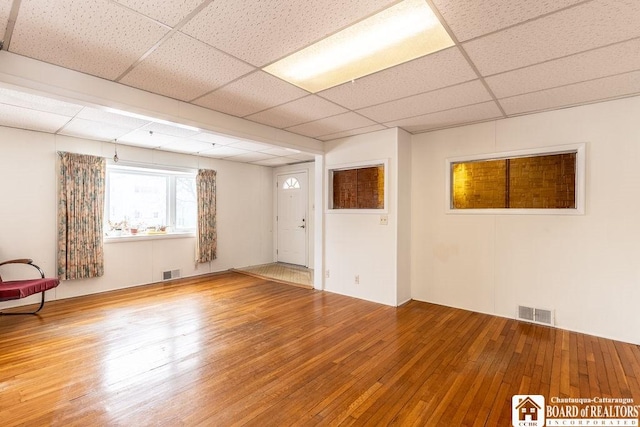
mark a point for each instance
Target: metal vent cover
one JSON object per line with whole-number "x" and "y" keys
{"x": 170, "y": 274}
{"x": 536, "y": 315}
{"x": 543, "y": 316}
{"x": 525, "y": 313}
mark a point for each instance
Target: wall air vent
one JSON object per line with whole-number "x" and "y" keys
{"x": 543, "y": 316}
{"x": 536, "y": 315}
{"x": 170, "y": 274}
{"x": 525, "y": 313}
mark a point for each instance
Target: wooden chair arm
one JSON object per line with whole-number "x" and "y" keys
{"x": 18, "y": 261}
{"x": 27, "y": 261}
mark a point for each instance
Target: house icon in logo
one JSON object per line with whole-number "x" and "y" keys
{"x": 528, "y": 410}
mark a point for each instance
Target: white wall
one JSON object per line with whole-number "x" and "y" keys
{"x": 319, "y": 224}
{"x": 403, "y": 209}
{"x": 584, "y": 267}
{"x": 28, "y": 201}
{"x": 309, "y": 168}
{"x": 356, "y": 243}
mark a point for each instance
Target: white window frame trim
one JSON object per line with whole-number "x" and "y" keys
{"x": 578, "y": 148}
{"x": 147, "y": 169}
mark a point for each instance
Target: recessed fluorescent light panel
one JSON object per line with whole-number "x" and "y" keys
{"x": 403, "y": 32}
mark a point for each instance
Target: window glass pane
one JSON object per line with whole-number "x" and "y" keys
{"x": 479, "y": 184}
{"x": 545, "y": 181}
{"x": 345, "y": 189}
{"x": 138, "y": 199}
{"x": 186, "y": 203}
{"x": 360, "y": 188}
{"x": 290, "y": 184}
{"x": 145, "y": 201}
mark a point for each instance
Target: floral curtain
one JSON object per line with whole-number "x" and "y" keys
{"x": 207, "y": 242}
{"x": 81, "y": 190}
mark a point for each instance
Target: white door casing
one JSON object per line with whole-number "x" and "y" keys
{"x": 292, "y": 218}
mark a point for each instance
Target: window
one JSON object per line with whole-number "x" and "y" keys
{"x": 144, "y": 201}
{"x": 358, "y": 188}
{"x": 543, "y": 181}
{"x": 290, "y": 184}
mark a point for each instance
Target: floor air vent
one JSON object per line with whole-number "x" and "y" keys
{"x": 536, "y": 315}
{"x": 170, "y": 274}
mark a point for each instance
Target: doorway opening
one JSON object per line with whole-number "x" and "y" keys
{"x": 292, "y": 234}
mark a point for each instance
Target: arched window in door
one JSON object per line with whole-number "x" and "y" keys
{"x": 290, "y": 184}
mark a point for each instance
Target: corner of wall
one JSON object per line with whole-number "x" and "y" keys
{"x": 403, "y": 200}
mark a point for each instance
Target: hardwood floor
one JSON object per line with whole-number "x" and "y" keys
{"x": 236, "y": 350}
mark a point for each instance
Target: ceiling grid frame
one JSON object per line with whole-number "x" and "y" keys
{"x": 166, "y": 37}
{"x": 465, "y": 54}
{"x": 582, "y": 67}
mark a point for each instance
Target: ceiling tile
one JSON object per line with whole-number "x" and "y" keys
{"x": 302, "y": 110}
{"x": 442, "y": 99}
{"x": 593, "y": 90}
{"x": 334, "y": 124}
{"x": 223, "y": 151}
{"x": 102, "y": 116}
{"x": 186, "y": 146}
{"x": 39, "y": 103}
{"x": 99, "y": 38}
{"x": 184, "y": 68}
{"x": 167, "y": 12}
{"x": 441, "y": 69}
{"x": 89, "y": 129}
{"x": 456, "y": 116}
{"x": 302, "y": 157}
{"x": 251, "y": 146}
{"x": 352, "y": 132}
{"x": 250, "y": 94}
{"x": 5, "y": 10}
{"x": 25, "y": 118}
{"x": 276, "y": 161}
{"x": 277, "y": 151}
{"x": 172, "y": 130}
{"x": 577, "y": 29}
{"x": 143, "y": 138}
{"x": 606, "y": 61}
{"x": 213, "y": 138}
{"x": 250, "y": 157}
{"x": 469, "y": 19}
{"x": 261, "y": 32}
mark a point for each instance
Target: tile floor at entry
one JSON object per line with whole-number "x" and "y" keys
{"x": 280, "y": 271}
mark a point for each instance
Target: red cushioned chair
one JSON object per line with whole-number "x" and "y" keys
{"x": 17, "y": 289}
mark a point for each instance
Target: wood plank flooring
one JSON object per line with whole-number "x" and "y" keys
{"x": 232, "y": 349}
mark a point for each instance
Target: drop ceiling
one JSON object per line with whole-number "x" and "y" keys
{"x": 511, "y": 57}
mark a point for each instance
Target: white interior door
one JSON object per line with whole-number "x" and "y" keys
{"x": 292, "y": 218}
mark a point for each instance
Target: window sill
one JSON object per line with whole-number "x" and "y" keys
{"x": 357, "y": 211}
{"x": 515, "y": 211}
{"x": 143, "y": 237}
